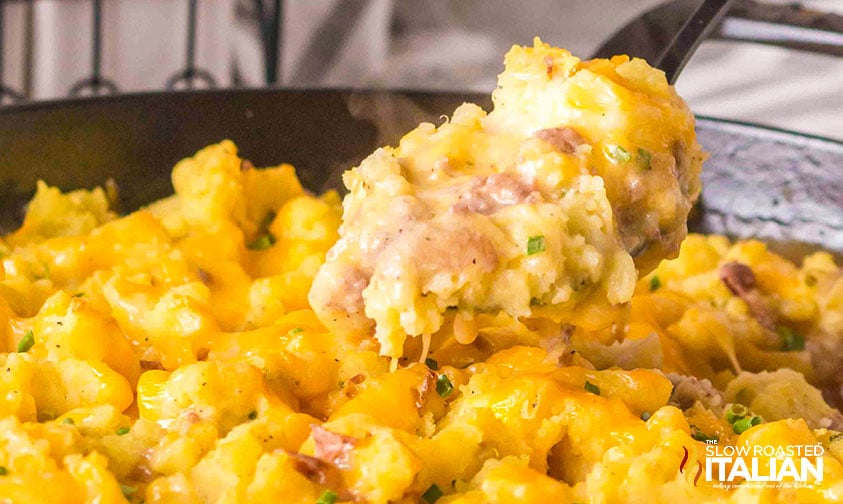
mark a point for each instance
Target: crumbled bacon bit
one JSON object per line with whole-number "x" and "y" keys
{"x": 558, "y": 347}
{"x": 351, "y": 385}
{"x": 146, "y": 365}
{"x": 738, "y": 277}
{"x": 548, "y": 62}
{"x": 322, "y": 473}
{"x": 332, "y": 447}
{"x": 142, "y": 471}
{"x": 740, "y": 280}
{"x": 564, "y": 139}
{"x": 428, "y": 384}
{"x": 316, "y": 470}
{"x": 204, "y": 276}
{"x": 246, "y": 165}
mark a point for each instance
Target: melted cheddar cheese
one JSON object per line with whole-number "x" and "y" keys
{"x": 171, "y": 356}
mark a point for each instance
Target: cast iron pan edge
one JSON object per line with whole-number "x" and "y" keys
{"x": 760, "y": 182}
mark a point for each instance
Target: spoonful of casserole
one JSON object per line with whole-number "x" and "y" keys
{"x": 578, "y": 181}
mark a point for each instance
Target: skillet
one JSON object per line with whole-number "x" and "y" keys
{"x": 782, "y": 187}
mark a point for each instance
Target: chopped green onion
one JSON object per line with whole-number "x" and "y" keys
{"x": 432, "y": 494}
{"x": 743, "y": 424}
{"x": 645, "y": 157}
{"x": 3, "y": 471}
{"x": 327, "y": 497}
{"x": 79, "y": 294}
{"x": 68, "y": 421}
{"x": 736, "y": 412}
{"x": 431, "y": 363}
{"x": 791, "y": 342}
{"x": 618, "y": 153}
{"x": 262, "y": 242}
{"x": 295, "y": 331}
{"x": 444, "y": 387}
{"x": 834, "y": 437}
{"x": 699, "y": 435}
{"x": 253, "y": 414}
{"x": 122, "y": 431}
{"x": 590, "y": 387}
{"x": 645, "y": 416}
{"x": 265, "y": 240}
{"x": 26, "y": 342}
{"x": 655, "y": 283}
{"x": 810, "y": 280}
{"x": 128, "y": 491}
{"x": 535, "y": 244}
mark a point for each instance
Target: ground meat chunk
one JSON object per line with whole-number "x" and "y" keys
{"x": 486, "y": 195}
{"x": 687, "y": 390}
{"x": 565, "y": 140}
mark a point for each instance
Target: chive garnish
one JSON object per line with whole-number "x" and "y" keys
{"x": 26, "y": 342}
{"x": 655, "y": 283}
{"x": 262, "y": 242}
{"x": 791, "y": 342}
{"x": 327, "y": 497}
{"x": 444, "y": 387}
{"x": 645, "y": 157}
{"x": 618, "y": 153}
{"x": 535, "y": 244}
{"x": 736, "y": 412}
{"x": 127, "y": 491}
{"x": 432, "y": 494}
{"x": 699, "y": 435}
{"x": 743, "y": 424}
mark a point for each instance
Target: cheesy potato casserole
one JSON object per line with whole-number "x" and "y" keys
{"x": 486, "y": 318}
{"x": 583, "y": 171}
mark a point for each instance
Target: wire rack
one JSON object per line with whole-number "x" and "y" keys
{"x": 266, "y": 13}
{"x": 788, "y": 25}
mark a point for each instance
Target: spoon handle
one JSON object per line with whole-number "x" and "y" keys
{"x": 677, "y": 53}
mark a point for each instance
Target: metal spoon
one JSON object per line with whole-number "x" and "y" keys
{"x": 646, "y": 38}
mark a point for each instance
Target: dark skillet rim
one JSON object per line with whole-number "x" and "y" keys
{"x": 47, "y": 105}
{"x": 142, "y": 95}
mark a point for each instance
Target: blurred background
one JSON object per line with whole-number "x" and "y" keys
{"x": 53, "y": 49}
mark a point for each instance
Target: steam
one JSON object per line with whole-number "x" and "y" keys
{"x": 392, "y": 114}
